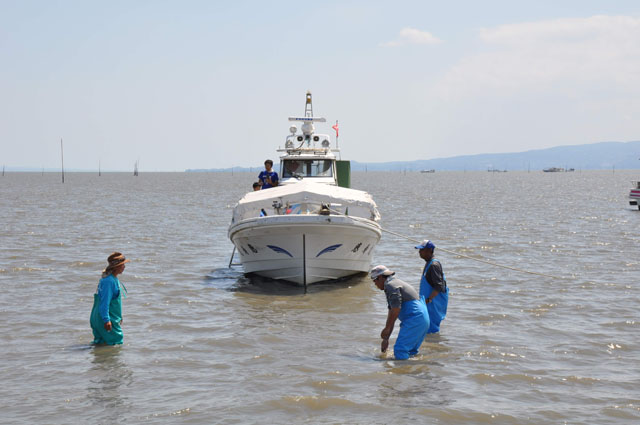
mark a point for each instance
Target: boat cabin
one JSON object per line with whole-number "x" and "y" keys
{"x": 308, "y": 156}
{"x": 307, "y": 167}
{"x": 296, "y": 166}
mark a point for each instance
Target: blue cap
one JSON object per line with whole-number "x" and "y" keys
{"x": 426, "y": 244}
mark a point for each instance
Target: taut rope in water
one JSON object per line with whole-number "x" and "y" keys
{"x": 457, "y": 253}
{"x": 475, "y": 259}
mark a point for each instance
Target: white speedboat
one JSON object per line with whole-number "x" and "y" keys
{"x": 312, "y": 227}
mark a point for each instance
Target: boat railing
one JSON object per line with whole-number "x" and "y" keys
{"x": 308, "y": 151}
{"x": 307, "y": 208}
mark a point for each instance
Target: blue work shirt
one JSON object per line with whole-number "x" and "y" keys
{"x": 263, "y": 178}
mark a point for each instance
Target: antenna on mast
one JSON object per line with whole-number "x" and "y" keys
{"x": 308, "y": 106}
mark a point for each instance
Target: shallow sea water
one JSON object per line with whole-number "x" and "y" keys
{"x": 205, "y": 344}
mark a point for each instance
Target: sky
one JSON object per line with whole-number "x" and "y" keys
{"x": 210, "y": 84}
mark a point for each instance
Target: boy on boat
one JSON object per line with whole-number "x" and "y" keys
{"x": 268, "y": 177}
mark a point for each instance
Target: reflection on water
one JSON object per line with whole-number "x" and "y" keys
{"x": 264, "y": 285}
{"x": 412, "y": 383}
{"x": 233, "y": 279}
{"x": 108, "y": 378}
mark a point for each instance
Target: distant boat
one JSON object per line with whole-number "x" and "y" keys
{"x": 428, "y": 171}
{"x": 135, "y": 168}
{"x": 634, "y": 194}
{"x": 495, "y": 170}
{"x": 553, "y": 170}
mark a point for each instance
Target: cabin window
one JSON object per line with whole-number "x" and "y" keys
{"x": 307, "y": 168}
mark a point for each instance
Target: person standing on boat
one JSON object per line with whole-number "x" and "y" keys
{"x": 268, "y": 177}
{"x": 405, "y": 304}
{"x": 106, "y": 314}
{"x": 433, "y": 286}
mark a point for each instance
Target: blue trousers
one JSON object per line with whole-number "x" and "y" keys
{"x": 414, "y": 323}
{"x": 437, "y": 308}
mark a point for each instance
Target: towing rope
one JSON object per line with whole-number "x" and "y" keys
{"x": 455, "y": 253}
{"x": 475, "y": 259}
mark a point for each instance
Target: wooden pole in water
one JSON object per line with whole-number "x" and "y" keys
{"x": 62, "y": 157}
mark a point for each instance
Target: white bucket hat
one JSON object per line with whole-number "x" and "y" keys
{"x": 380, "y": 270}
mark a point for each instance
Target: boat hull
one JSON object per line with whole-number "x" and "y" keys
{"x": 305, "y": 249}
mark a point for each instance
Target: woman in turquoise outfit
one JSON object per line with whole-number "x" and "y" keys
{"x": 106, "y": 314}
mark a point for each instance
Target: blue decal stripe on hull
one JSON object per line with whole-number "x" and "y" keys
{"x": 279, "y": 250}
{"x": 329, "y": 249}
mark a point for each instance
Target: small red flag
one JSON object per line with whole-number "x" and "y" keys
{"x": 335, "y": 127}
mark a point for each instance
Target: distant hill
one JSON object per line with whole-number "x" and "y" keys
{"x": 596, "y": 156}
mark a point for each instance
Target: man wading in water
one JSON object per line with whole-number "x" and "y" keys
{"x": 405, "y": 304}
{"x": 433, "y": 286}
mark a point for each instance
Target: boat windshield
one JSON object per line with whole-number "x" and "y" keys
{"x": 307, "y": 168}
